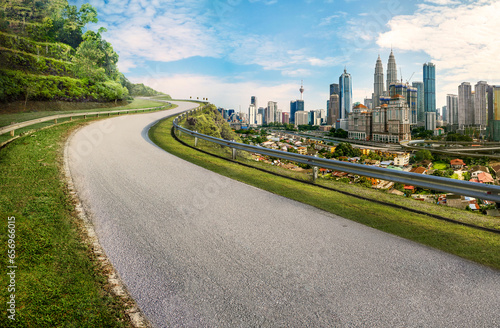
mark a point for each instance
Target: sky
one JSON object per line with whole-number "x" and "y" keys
{"x": 230, "y": 50}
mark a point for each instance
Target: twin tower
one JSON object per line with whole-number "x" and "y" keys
{"x": 379, "y": 89}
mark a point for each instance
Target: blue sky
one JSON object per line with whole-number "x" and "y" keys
{"x": 230, "y": 50}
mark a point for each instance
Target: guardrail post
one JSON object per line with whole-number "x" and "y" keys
{"x": 12, "y": 133}
{"x": 55, "y": 121}
{"x": 97, "y": 115}
{"x": 84, "y": 117}
{"x": 315, "y": 173}
{"x": 196, "y": 140}
{"x": 71, "y": 118}
{"x": 233, "y": 154}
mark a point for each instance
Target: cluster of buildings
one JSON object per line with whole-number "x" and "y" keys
{"x": 394, "y": 109}
{"x": 478, "y": 109}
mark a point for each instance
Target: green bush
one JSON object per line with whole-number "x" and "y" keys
{"x": 12, "y": 59}
{"x": 59, "y": 51}
{"x": 17, "y": 85}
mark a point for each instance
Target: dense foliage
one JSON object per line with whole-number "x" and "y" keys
{"x": 211, "y": 122}
{"x": 46, "y": 54}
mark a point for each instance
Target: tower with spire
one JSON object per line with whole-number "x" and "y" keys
{"x": 378, "y": 85}
{"x": 392, "y": 71}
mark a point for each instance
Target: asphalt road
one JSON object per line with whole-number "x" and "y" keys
{"x": 196, "y": 249}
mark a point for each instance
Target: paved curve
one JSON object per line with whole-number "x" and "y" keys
{"x": 199, "y": 250}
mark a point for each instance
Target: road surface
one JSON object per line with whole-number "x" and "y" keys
{"x": 196, "y": 249}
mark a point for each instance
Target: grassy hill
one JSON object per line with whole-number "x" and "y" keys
{"x": 45, "y": 56}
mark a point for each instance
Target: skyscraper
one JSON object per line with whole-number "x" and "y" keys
{"x": 333, "y": 109}
{"x": 465, "y": 111}
{"x": 378, "y": 84}
{"x": 253, "y": 101}
{"x": 334, "y": 89}
{"x": 452, "y": 109}
{"x": 392, "y": 70}
{"x": 295, "y": 106}
{"x": 494, "y": 113}
{"x": 420, "y": 102}
{"x": 252, "y": 114}
{"x": 480, "y": 103}
{"x": 272, "y": 108}
{"x": 430, "y": 96}
{"x": 345, "y": 85}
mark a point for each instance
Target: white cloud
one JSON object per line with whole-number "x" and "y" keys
{"x": 461, "y": 40}
{"x": 156, "y": 30}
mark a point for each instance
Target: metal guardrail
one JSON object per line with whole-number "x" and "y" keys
{"x": 13, "y": 127}
{"x": 458, "y": 187}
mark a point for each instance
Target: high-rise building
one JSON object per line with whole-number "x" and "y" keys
{"x": 430, "y": 96}
{"x": 333, "y": 109}
{"x": 295, "y": 106}
{"x": 465, "y": 111}
{"x": 494, "y": 112}
{"x": 285, "y": 118}
{"x": 301, "y": 117}
{"x": 480, "y": 103}
{"x": 252, "y": 114}
{"x": 272, "y": 107}
{"x": 334, "y": 89}
{"x": 420, "y": 102}
{"x": 392, "y": 70}
{"x": 378, "y": 84}
{"x": 345, "y": 84}
{"x": 253, "y": 101}
{"x": 278, "y": 117}
{"x": 444, "y": 113}
{"x": 452, "y": 111}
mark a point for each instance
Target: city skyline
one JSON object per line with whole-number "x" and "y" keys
{"x": 230, "y": 50}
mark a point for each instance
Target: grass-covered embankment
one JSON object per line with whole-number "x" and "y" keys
{"x": 59, "y": 282}
{"x": 476, "y": 245}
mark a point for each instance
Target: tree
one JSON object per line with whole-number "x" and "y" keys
{"x": 95, "y": 58}
{"x": 70, "y": 22}
{"x": 346, "y": 149}
{"x": 423, "y": 154}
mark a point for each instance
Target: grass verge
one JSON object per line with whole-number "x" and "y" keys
{"x": 476, "y": 245}
{"x": 59, "y": 281}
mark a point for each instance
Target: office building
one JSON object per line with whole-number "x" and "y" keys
{"x": 252, "y": 114}
{"x": 295, "y": 106}
{"x": 430, "y": 96}
{"x": 301, "y": 117}
{"x": 452, "y": 109}
{"x": 420, "y": 102}
{"x": 465, "y": 109}
{"x": 480, "y": 103}
{"x": 493, "y": 113}
{"x": 392, "y": 70}
{"x": 272, "y": 108}
{"x": 378, "y": 83}
{"x": 345, "y": 85}
{"x": 285, "y": 118}
{"x": 333, "y": 109}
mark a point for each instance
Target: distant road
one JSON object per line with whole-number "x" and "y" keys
{"x": 196, "y": 249}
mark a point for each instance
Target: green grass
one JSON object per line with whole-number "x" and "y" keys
{"x": 476, "y": 245}
{"x": 439, "y": 166}
{"x": 59, "y": 283}
{"x": 7, "y": 119}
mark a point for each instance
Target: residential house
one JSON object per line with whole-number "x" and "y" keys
{"x": 419, "y": 170}
{"x": 484, "y": 177}
{"x": 371, "y": 162}
{"x": 457, "y": 164}
{"x": 426, "y": 163}
{"x": 402, "y": 159}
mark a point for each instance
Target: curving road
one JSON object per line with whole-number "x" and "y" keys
{"x": 196, "y": 249}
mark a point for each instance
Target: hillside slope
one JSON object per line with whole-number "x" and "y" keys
{"x": 45, "y": 56}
